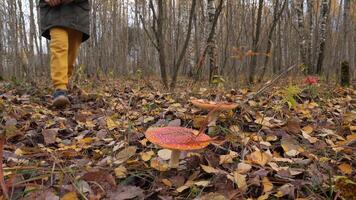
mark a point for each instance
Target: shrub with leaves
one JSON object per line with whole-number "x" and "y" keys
{"x": 290, "y": 94}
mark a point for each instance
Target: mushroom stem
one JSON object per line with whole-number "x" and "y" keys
{"x": 212, "y": 118}
{"x": 174, "y": 162}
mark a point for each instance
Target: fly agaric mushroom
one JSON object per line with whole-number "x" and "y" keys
{"x": 177, "y": 139}
{"x": 215, "y": 109}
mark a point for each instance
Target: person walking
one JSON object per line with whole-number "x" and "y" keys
{"x": 66, "y": 24}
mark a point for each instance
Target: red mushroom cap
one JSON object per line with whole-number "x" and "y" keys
{"x": 210, "y": 105}
{"x": 177, "y": 138}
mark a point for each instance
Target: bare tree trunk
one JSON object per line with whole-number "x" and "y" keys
{"x": 301, "y": 31}
{"x": 276, "y": 17}
{"x": 324, "y": 18}
{"x": 309, "y": 36}
{"x": 213, "y": 67}
{"x": 160, "y": 36}
{"x": 255, "y": 42}
{"x": 184, "y": 48}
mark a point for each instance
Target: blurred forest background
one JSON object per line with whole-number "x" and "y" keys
{"x": 240, "y": 40}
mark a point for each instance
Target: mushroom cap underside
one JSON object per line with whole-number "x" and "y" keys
{"x": 177, "y": 138}
{"x": 209, "y": 105}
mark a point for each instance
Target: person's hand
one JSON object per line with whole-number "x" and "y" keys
{"x": 53, "y": 2}
{"x": 67, "y": 1}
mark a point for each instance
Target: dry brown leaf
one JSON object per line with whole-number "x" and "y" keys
{"x": 209, "y": 170}
{"x": 120, "y": 172}
{"x": 267, "y": 185}
{"x": 70, "y": 196}
{"x": 240, "y": 181}
{"x": 345, "y": 168}
{"x": 226, "y": 159}
{"x": 159, "y": 165}
{"x": 125, "y": 154}
{"x": 146, "y": 156}
{"x": 260, "y": 158}
{"x": 243, "y": 168}
{"x": 50, "y": 136}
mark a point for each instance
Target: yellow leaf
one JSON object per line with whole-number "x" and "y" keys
{"x": 159, "y": 165}
{"x": 120, "y": 172}
{"x": 267, "y": 185}
{"x": 308, "y": 129}
{"x": 202, "y": 183}
{"x": 144, "y": 142}
{"x": 225, "y": 159}
{"x": 86, "y": 141}
{"x": 111, "y": 124}
{"x": 70, "y": 196}
{"x": 148, "y": 119}
{"x": 263, "y": 197}
{"x": 261, "y": 158}
{"x": 167, "y": 182}
{"x": 209, "y": 169}
{"x": 146, "y": 156}
{"x": 240, "y": 181}
{"x": 345, "y": 168}
{"x": 182, "y": 188}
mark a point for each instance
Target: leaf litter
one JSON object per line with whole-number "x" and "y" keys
{"x": 96, "y": 149}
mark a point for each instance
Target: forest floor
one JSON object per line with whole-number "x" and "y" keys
{"x": 296, "y": 141}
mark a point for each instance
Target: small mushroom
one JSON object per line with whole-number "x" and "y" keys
{"x": 177, "y": 139}
{"x": 215, "y": 109}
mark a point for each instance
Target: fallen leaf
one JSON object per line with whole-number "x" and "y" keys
{"x": 111, "y": 124}
{"x": 212, "y": 196}
{"x": 127, "y": 193}
{"x": 286, "y": 189}
{"x": 50, "y": 136}
{"x": 293, "y": 125}
{"x": 146, "y": 156}
{"x": 202, "y": 183}
{"x": 291, "y": 147}
{"x": 120, "y": 172}
{"x": 167, "y": 182}
{"x": 267, "y": 185}
{"x": 164, "y": 154}
{"x": 100, "y": 177}
{"x": 243, "y": 168}
{"x": 70, "y": 196}
{"x": 159, "y": 165}
{"x": 209, "y": 170}
{"x": 311, "y": 139}
{"x": 260, "y": 158}
{"x": 125, "y": 154}
{"x": 240, "y": 181}
{"x": 226, "y": 159}
{"x": 345, "y": 168}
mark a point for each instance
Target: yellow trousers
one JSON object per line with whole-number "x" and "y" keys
{"x": 64, "y": 48}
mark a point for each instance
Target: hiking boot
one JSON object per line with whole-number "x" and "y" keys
{"x": 60, "y": 99}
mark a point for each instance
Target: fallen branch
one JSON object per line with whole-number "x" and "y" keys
{"x": 269, "y": 84}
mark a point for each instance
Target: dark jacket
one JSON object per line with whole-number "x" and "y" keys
{"x": 74, "y": 15}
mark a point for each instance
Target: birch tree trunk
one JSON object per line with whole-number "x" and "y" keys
{"x": 324, "y": 11}
{"x": 299, "y": 8}
{"x": 213, "y": 67}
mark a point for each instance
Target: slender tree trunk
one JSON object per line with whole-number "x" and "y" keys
{"x": 255, "y": 41}
{"x": 185, "y": 46}
{"x": 276, "y": 17}
{"x": 299, "y": 7}
{"x": 322, "y": 32}
{"x": 213, "y": 67}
